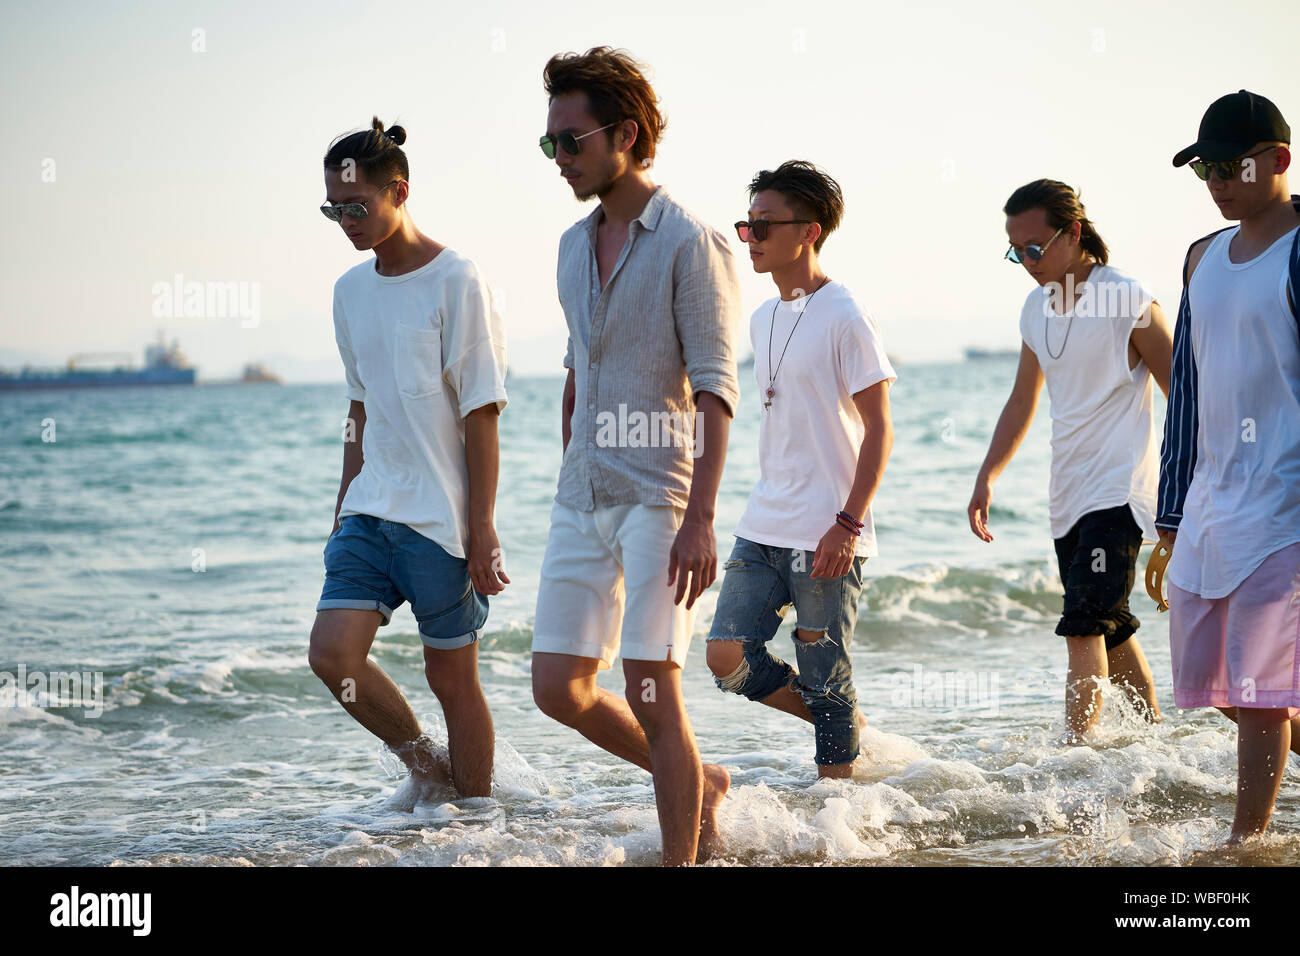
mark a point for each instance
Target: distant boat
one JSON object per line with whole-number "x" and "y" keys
{"x": 163, "y": 365}
{"x": 257, "y": 373}
{"x": 980, "y": 355}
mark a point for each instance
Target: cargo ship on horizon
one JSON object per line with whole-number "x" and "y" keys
{"x": 163, "y": 365}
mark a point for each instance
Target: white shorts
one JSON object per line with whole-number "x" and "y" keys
{"x": 603, "y": 578}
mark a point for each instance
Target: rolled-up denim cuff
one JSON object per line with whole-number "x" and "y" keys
{"x": 1116, "y": 627}
{"x": 758, "y": 675}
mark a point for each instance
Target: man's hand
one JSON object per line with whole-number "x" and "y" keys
{"x": 834, "y": 553}
{"x": 1156, "y": 565}
{"x": 694, "y": 555}
{"x": 486, "y": 562}
{"x": 978, "y": 509}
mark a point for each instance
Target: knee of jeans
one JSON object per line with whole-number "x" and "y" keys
{"x": 828, "y": 697}
{"x": 734, "y": 683}
{"x": 771, "y": 675}
{"x": 721, "y": 654}
{"x": 816, "y": 636}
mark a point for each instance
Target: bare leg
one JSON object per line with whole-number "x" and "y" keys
{"x": 1087, "y": 667}
{"x": 564, "y": 687}
{"x": 1231, "y": 714}
{"x": 1128, "y": 668}
{"x": 654, "y": 693}
{"x": 453, "y": 678}
{"x": 1263, "y": 738}
{"x": 339, "y": 656}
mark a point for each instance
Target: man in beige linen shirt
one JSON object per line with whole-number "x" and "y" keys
{"x": 651, "y": 297}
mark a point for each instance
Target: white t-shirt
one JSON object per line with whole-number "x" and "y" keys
{"x": 422, "y": 350}
{"x": 1243, "y": 502}
{"x": 1105, "y": 451}
{"x": 810, "y": 437}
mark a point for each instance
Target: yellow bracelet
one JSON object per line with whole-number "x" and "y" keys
{"x": 1155, "y": 576}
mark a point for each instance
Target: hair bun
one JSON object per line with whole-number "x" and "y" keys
{"x": 395, "y": 134}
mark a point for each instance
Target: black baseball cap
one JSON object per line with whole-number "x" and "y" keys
{"x": 1232, "y": 125}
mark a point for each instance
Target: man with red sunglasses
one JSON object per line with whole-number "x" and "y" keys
{"x": 825, "y": 434}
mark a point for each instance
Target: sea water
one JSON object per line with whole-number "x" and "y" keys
{"x": 170, "y": 541}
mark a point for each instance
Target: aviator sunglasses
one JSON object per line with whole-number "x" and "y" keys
{"x": 1034, "y": 252}
{"x": 1225, "y": 170}
{"x": 353, "y": 210}
{"x": 567, "y": 141}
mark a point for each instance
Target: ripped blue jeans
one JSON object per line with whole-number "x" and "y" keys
{"x": 761, "y": 584}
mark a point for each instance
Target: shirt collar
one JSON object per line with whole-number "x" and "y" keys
{"x": 649, "y": 218}
{"x": 654, "y": 208}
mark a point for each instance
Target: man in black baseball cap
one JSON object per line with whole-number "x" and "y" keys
{"x": 1232, "y": 125}
{"x": 1229, "y": 492}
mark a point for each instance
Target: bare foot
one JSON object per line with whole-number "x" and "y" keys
{"x": 425, "y": 759}
{"x": 716, "y": 783}
{"x": 1237, "y": 839}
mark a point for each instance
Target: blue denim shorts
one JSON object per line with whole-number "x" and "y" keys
{"x": 760, "y": 585}
{"x": 375, "y": 564}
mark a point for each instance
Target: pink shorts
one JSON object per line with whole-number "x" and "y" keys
{"x": 1240, "y": 650}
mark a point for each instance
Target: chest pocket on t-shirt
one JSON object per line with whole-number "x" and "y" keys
{"x": 417, "y": 361}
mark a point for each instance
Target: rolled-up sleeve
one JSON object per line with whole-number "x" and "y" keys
{"x": 475, "y": 342}
{"x": 706, "y": 310}
{"x": 356, "y": 390}
{"x": 1178, "y": 450}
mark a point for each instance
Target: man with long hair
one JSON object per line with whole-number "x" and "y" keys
{"x": 651, "y": 297}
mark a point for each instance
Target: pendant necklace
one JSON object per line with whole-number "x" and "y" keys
{"x": 1069, "y": 325}
{"x": 771, "y": 375}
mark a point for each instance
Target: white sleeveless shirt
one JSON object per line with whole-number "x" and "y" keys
{"x": 1243, "y": 502}
{"x": 1105, "y": 452}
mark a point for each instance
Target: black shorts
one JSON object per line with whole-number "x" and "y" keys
{"x": 1097, "y": 558}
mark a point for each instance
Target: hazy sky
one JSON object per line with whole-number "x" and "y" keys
{"x": 138, "y": 149}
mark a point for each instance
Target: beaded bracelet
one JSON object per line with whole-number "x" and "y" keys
{"x": 852, "y": 520}
{"x": 839, "y": 520}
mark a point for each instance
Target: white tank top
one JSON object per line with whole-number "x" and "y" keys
{"x": 1243, "y": 502}
{"x": 1105, "y": 451}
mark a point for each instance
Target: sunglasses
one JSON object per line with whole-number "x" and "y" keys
{"x": 758, "y": 227}
{"x": 566, "y": 141}
{"x": 1226, "y": 170}
{"x": 1034, "y": 252}
{"x": 353, "y": 210}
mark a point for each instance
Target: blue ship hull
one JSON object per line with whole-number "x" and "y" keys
{"x": 87, "y": 378}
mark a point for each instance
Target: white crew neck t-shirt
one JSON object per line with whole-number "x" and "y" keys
{"x": 1243, "y": 503}
{"x": 1105, "y": 451}
{"x": 422, "y": 350}
{"x": 810, "y": 437}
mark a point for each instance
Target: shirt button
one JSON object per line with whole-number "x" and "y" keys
{"x": 591, "y": 444}
{"x": 593, "y": 366}
{"x": 591, "y": 404}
